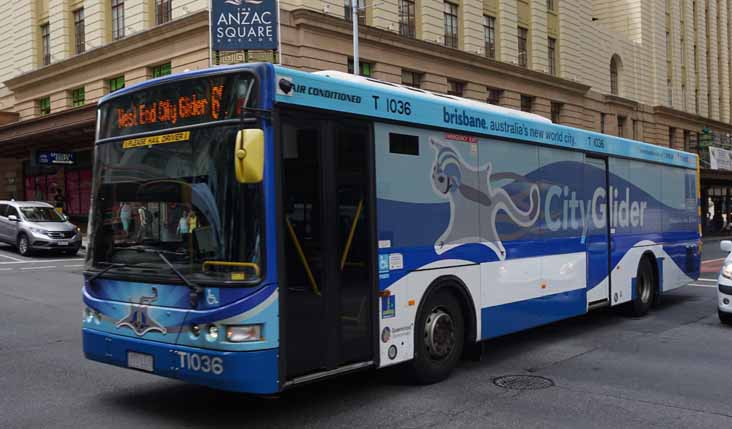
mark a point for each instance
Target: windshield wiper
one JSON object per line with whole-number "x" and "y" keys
{"x": 104, "y": 270}
{"x": 195, "y": 289}
{"x": 143, "y": 249}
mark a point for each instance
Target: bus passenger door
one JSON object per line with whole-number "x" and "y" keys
{"x": 328, "y": 267}
{"x": 598, "y": 243}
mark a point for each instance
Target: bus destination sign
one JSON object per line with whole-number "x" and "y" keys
{"x": 179, "y": 104}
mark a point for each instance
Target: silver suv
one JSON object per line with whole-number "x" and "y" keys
{"x": 33, "y": 225}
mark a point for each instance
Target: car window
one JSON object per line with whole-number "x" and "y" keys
{"x": 3, "y": 207}
{"x": 11, "y": 211}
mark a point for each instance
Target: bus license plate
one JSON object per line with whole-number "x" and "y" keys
{"x": 63, "y": 243}
{"x": 140, "y": 361}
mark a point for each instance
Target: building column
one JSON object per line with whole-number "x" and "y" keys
{"x": 701, "y": 44}
{"x": 474, "y": 91}
{"x": 542, "y": 107}
{"x": 96, "y": 18}
{"x": 26, "y": 37}
{"x": 724, "y": 82}
{"x": 434, "y": 83}
{"x": 472, "y": 19}
{"x": 139, "y": 16}
{"x": 430, "y": 21}
{"x": 511, "y": 99}
{"x": 539, "y": 45}
{"x": 59, "y": 19}
{"x": 713, "y": 63}
{"x": 385, "y": 15}
{"x": 507, "y": 32}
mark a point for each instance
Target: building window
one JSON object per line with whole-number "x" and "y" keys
{"x": 602, "y": 123}
{"x": 46, "y": 44}
{"x": 79, "y": 36}
{"x": 163, "y": 11}
{"x": 687, "y": 140}
{"x": 78, "y": 97}
{"x": 614, "y": 87}
{"x": 671, "y": 136}
{"x": 489, "y": 29}
{"x": 527, "y": 103}
{"x": 550, "y": 5}
{"x": 523, "y": 47}
{"x": 556, "y": 112}
{"x": 636, "y": 131}
{"x": 552, "y": 55}
{"x": 451, "y": 24}
{"x": 348, "y": 12}
{"x": 494, "y": 96}
{"x": 407, "y": 20}
{"x": 455, "y": 88}
{"x": 364, "y": 67}
{"x": 161, "y": 70}
{"x": 118, "y": 19}
{"x": 116, "y": 83}
{"x": 621, "y": 126}
{"x": 410, "y": 78}
{"x": 44, "y": 106}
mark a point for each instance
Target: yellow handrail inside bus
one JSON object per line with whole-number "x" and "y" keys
{"x": 347, "y": 249}
{"x": 253, "y": 265}
{"x": 303, "y": 259}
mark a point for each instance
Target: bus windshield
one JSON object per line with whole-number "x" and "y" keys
{"x": 176, "y": 195}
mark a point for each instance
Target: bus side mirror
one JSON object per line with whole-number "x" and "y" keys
{"x": 249, "y": 156}
{"x": 725, "y": 246}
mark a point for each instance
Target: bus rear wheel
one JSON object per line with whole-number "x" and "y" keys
{"x": 439, "y": 338}
{"x": 645, "y": 289}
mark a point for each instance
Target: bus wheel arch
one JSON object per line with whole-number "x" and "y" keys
{"x": 444, "y": 314}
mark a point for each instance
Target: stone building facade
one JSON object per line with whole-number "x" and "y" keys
{"x": 653, "y": 70}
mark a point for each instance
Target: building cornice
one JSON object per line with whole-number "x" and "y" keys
{"x": 701, "y": 121}
{"x": 125, "y": 46}
{"x": 621, "y": 101}
{"x": 305, "y": 18}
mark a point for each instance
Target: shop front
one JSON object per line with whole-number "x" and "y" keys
{"x": 52, "y": 156}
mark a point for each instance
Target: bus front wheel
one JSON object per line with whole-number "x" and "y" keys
{"x": 439, "y": 338}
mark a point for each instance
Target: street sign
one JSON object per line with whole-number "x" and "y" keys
{"x": 241, "y": 25}
{"x": 56, "y": 158}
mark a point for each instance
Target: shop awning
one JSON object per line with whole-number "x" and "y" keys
{"x": 67, "y": 130}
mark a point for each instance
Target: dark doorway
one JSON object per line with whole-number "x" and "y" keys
{"x": 327, "y": 205}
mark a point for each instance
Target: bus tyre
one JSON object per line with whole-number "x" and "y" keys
{"x": 645, "y": 289}
{"x": 24, "y": 245}
{"x": 439, "y": 338}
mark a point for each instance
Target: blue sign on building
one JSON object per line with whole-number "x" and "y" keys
{"x": 241, "y": 25}
{"x": 56, "y": 158}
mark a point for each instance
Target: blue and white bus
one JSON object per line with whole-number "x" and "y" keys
{"x": 255, "y": 227}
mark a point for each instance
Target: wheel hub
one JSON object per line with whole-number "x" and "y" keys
{"x": 439, "y": 334}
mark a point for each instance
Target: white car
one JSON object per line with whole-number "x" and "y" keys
{"x": 724, "y": 289}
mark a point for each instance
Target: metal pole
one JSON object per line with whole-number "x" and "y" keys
{"x": 279, "y": 35}
{"x": 210, "y": 35}
{"x": 354, "y": 17}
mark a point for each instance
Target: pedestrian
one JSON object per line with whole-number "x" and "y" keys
{"x": 144, "y": 216}
{"x": 182, "y": 229}
{"x": 125, "y": 214}
{"x": 192, "y": 221}
{"x": 59, "y": 201}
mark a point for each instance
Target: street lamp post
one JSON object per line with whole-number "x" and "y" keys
{"x": 354, "y": 18}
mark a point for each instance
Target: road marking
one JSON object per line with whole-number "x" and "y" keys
{"x": 73, "y": 266}
{"x": 5, "y": 269}
{"x": 11, "y": 258}
{"x": 42, "y": 261}
{"x": 706, "y": 280}
{"x": 706, "y": 285}
{"x": 713, "y": 260}
{"x": 38, "y": 268}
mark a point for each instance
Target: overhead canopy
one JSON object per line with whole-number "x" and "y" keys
{"x": 68, "y": 130}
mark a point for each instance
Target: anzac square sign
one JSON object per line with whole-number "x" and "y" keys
{"x": 244, "y": 25}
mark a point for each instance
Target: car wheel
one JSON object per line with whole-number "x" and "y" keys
{"x": 645, "y": 289}
{"x": 24, "y": 245}
{"x": 439, "y": 338}
{"x": 725, "y": 318}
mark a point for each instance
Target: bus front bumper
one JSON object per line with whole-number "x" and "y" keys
{"x": 248, "y": 372}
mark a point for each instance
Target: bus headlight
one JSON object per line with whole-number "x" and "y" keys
{"x": 727, "y": 270}
{"x": 243, "y": 333}
{"x": 212, "y": 333}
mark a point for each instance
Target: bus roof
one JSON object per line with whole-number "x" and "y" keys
{"x": 343, "y": 92}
